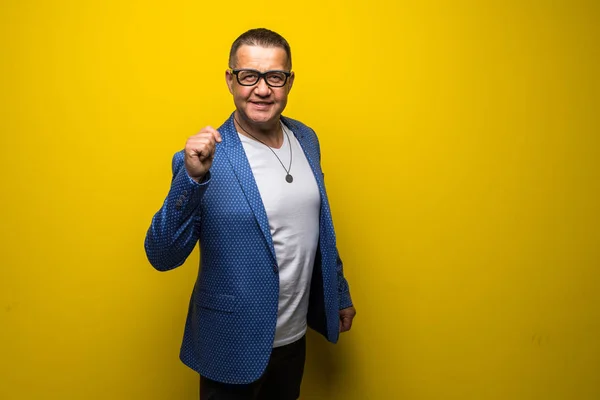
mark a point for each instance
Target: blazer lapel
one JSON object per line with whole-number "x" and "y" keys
{"x": 241, "y": 167}
{"x": 311, "y": 150}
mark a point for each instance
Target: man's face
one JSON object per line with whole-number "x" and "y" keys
{"x": 260, "y": 104}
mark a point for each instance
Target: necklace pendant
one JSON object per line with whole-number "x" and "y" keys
{"x": 289, "y": 178}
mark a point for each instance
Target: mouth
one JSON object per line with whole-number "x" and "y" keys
{"x": 261, "y": 104}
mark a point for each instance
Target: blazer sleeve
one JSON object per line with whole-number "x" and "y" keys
{"x": 344, "y": 298}
{"x": 172, "y": 234}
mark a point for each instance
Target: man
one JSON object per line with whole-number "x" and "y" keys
{"x": 252, "y": 194}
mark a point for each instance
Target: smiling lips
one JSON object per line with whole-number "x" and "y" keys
{"x": 261, "y": 104}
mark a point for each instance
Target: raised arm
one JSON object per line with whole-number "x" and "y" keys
{"x": 172, "y": 234}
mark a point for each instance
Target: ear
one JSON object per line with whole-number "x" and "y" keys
{"x": 291, "y": 81}
{"x": 229, "y": 80}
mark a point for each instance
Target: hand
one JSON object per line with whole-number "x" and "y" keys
{"x": 200, "y": 151}
{"x": 346, "y": 317}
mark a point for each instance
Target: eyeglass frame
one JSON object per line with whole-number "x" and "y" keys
{"x": 261, "y": 75}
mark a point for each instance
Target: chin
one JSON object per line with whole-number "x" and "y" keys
{"x": 259, "y": 117}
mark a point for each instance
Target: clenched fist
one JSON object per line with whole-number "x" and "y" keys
{"x": 200, "y": 151}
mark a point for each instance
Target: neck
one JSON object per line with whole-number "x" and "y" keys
{"x": 271, "y": 134}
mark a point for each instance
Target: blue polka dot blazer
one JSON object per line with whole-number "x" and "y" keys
{"x": 232, "y": 313}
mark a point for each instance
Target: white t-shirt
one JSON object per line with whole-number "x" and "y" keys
{"x": 293, "y": 213}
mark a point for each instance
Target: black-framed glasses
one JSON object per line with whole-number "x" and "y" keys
{"x": 250, "y": 77}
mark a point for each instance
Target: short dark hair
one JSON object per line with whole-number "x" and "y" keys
{"x": 260, "y": 37}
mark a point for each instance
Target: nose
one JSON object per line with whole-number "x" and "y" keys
{"x": 262, "y": 89}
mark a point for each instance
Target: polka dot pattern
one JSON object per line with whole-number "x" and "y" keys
{"x": 232, "y": 313}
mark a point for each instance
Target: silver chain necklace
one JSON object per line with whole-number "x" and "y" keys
{"x": 288, "y": 178}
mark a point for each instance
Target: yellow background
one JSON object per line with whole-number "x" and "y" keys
{"x": 461, "y": 151}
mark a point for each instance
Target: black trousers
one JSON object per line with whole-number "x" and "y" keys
{"x": 280, "y": 381}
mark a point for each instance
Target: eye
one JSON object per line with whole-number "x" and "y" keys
{"x": 276, "y": 78}
{"x": 247, "y": 76}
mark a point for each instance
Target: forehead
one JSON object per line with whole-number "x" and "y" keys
{"x": 261, "y": 58}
